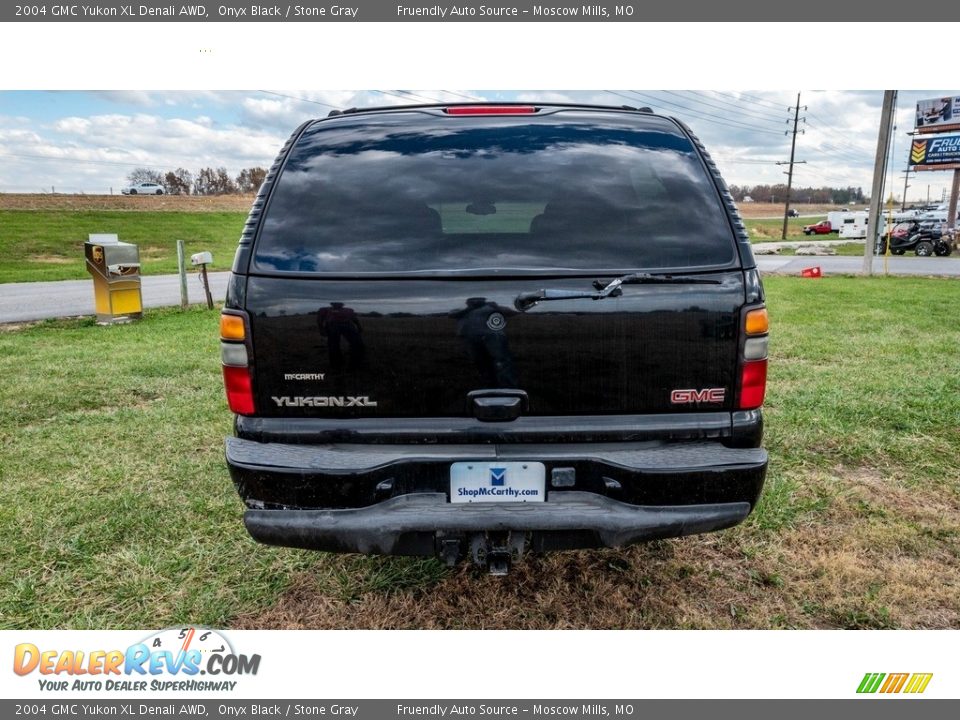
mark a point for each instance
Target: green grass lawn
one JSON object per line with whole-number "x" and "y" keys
{"x": 119, "y": 511}
{"x": 48, "y": 245}
{"x": 771, "y": 230}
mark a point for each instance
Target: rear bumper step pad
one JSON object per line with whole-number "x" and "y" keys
{"x": 339, "y": 458}
{"x": 409, "y": 524}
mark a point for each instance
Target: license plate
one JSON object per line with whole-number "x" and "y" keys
{"x": 497, "y": 482}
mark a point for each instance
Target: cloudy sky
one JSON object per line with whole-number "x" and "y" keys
{"x": 89, "y": 141}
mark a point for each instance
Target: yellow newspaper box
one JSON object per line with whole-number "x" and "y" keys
{"x": 115, "y": 267}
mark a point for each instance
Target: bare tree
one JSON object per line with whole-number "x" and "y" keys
{"x": 205, "y": 182}
{"x": 213, "y": 182}
{"x": 225, "y": 184}
{"x": 250, "y": 179}
{"x": 178, "y": 182}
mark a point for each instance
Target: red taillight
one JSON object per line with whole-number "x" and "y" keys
{"x": 236, "y": 380}
{"x": 753, "y": 384}
{"x": 491, "y": 110}
{"x": 235, "y": 361}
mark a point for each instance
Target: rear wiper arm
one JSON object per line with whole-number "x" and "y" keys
{"x": 526, "y": 300}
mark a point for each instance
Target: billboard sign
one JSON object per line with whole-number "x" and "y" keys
{"x": 937, "y": 152}
{"x": 938, "y": 114}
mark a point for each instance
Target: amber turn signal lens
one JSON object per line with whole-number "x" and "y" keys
{"x": 231, "y": 327}
{"x": 757, "y": 322}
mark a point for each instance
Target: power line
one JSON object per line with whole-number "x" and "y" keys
{"x": 848, "y": 145}
{"x": 726, "y": 122}
{"x": 817, "y": 173}
{"x": 303, "y": 100}
{"x": 840, "y": 149}
{"x": 826, "y": 126}
{"x": 621, "y": 95}
{"x": 726, "y": 105}
{"x": 706, "y": 114}
{"x": 419, "y": 97}
{"x": 752, "y": 99}
{"x": 408, "y": 95}
{"x": 843, "y": 153}
{"x": 727, "y": 161}
{"x": 460, "y": 95}
{"x": 848, "y": 149}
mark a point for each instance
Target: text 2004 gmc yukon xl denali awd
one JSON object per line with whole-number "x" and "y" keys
{"x": 481, "y": 330}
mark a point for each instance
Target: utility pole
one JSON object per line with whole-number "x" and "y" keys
{"x": 952, "y": 211}
{"x": 906, "y": 184}
{"x": 879, "y": 172}
{"x": 793, "y": 150}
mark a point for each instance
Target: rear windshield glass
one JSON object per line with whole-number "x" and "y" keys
{"x": 412, "y": 192}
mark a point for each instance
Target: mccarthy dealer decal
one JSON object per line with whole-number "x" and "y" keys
{"x": 168, "y": 660}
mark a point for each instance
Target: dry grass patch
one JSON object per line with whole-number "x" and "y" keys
{"x": 775, "y": 210}
{"x": 173, "y": 203}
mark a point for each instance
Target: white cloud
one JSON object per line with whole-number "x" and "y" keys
{"x": 96, "y": 153}
{"x": 744, "y": 131}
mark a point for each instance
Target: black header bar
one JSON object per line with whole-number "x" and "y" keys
{"x": 731, "y": 11}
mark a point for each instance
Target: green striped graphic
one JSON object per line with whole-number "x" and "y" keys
{"x": 871, "y": 682}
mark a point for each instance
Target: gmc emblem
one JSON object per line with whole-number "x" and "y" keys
{"x": 707, "y": 395}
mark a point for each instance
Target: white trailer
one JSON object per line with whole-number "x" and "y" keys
{"x": 855, "y": 226}
{"x": 836, "y": 218}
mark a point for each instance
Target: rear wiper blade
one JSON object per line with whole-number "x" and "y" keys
{"x": 526, "y": 300}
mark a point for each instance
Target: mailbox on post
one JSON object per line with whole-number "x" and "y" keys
{"x": 115, "y": 267}
{"x": 201, "y": 260}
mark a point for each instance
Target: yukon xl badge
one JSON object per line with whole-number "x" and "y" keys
{"x": 707, "y": 395}
{"x": 328, "y": 401}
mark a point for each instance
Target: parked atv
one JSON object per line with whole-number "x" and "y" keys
{"x": 924, "y": 238}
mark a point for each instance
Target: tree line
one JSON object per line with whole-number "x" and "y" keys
{"x": 206, "y": 181}
{"x": 778, "y": 194}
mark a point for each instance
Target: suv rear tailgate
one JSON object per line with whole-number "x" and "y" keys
{"x": 416, "y": 348}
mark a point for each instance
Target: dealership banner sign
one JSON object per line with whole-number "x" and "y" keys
{"x": 938, "y": 114}
{"x": 937, "y": 152}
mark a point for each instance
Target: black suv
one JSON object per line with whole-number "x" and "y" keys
{"x": 480, "y": 330}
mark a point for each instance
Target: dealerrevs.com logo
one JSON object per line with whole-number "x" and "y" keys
{"x": 172, "y": 659}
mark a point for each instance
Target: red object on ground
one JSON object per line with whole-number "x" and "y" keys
{"x": 811, "y": 272}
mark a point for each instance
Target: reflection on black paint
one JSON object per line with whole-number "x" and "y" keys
{"x": 340, "y": 323}
{"x": 410, "y": 192}
{"x": 426, "y": 347}
{"x": 482, "y": 325}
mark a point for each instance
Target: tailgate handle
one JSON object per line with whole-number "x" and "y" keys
{"x": 497, "y": 405}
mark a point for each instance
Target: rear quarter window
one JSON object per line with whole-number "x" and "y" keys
{"x": 421, "y": 192}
